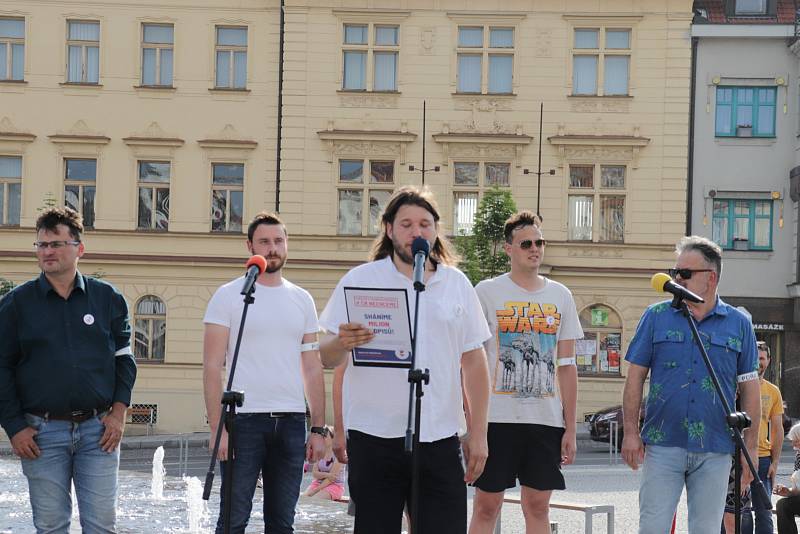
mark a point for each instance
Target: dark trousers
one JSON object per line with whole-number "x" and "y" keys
{"x": 275, "y": 448}
{"x": 787, "y": 508}
{"x": 762, "y": 510}
{"x": 380, "y": 485}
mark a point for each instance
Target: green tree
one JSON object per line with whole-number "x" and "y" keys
{"x": 5, "y": 286}
{"x": 482, "y": 254}
{"x": 48, "y": 201}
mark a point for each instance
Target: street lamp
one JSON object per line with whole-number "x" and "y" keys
{"x": 539, "y": 172}
{"x": 422, "y": 169}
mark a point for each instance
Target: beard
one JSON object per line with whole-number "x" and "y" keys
{"x": 274, "y": 268}
{"x": 400, "y": 252}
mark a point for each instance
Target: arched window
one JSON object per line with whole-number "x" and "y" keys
{"x": 150, "y": 328}
{"x": 600, "y": 350}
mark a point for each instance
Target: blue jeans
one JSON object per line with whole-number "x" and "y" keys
{"x": 665, "y": 472}
{"x": 70, "y": 453}
{"x": 274, "y": 447}
{"x": 763, "y": 514}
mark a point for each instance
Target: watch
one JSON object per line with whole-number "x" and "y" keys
{"x": 321, "y": 430}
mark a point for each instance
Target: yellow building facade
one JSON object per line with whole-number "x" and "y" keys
{"x": 160, "y": 122}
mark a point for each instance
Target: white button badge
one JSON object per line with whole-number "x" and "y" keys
{"x": 88, "y": 319}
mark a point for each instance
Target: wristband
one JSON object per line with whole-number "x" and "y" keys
{"x": 321, "y": 430}
{"x": 305, "y": 347}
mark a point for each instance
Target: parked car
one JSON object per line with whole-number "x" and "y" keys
{"x": 600, "y": 423}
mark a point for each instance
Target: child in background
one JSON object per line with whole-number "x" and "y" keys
{"x": 328, "y": 474}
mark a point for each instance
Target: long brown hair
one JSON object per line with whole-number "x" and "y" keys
{"x": 441, "y": 251}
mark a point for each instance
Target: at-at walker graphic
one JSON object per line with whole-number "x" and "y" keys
{"x": 509, "y": 370}
{"x": 537, "y": 368}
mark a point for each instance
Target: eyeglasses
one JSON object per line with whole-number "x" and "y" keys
{"x": 527, "y": 244}
{"x": 43, "y": 245}
{"x": 686, "y": 273}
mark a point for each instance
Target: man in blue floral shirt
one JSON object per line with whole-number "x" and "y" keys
{"x": 688, "y": 441}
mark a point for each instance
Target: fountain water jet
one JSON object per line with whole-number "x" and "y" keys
{"x": 157, "y": 482}
{"x": 197, "y": 511}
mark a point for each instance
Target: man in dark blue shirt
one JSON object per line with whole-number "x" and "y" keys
{"x": 66, "y": 375}
{"x": 688, "y": 442}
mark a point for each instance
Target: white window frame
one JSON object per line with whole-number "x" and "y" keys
{"x": 158, "y": 47}
{"x": 85, "y": 45}
{"x": 370, "y": 48}
{"x": 5, "y": 183}
{"x": 9, "y": 59}
{"x": 485, "y": 51}
{"x": 153, "y": 187}
{"x": 480, "y": 188}
{"x": 231, "y": 49}
{"x": 227, "y": 188}
{"x": 596, "y": 192}
{"x": 151, "y": 321}
{"x": 365, "y": 187}
{"x": 82, "y": 185}
{"x": 600, "y": 53}
{"x": 750, "y": 13}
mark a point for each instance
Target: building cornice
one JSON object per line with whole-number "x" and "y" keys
{"x": 599, "y": 140}
{"x": 375, "y": 142}
{"x": 153, "y": 141}
{"x": 775, "y": 31}
{"x": 367, "y": 135}
{"x": 83, "y": 139}
{"x": 613, "y": 146}
{"x": 516, "y": 141}
{"x": 243, "y": 144}
{"x": 17, "y": 137}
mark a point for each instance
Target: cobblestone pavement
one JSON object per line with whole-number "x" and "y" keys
{"x": 594, "y": 480}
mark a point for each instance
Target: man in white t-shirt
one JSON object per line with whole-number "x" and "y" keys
{"x": 278, "y": 360}
{"x": 534, "y": 381}
{"x": 375, "y": 400}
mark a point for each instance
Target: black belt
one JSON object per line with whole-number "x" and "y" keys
{"x": 77, "y": 416}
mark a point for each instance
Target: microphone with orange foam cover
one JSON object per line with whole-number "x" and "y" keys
{"x": 256, "y": 266}
{"x": 663, "y": 282}
{"x": 258, "y": 261}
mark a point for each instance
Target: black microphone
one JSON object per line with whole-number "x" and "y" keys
{"x": 663, "y": 282}
{"x": 256, "y": 265}
{"x": 420, "y": 248}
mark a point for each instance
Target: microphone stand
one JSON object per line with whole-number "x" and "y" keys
{"x": 737, "y": 421}
{"x": 416, "y": 377}
{"x": 230, "y": 400}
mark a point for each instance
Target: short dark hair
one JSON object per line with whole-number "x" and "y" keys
{"x": 264, "y": 217}
{"x": 710, "y": 250}
{"x": 50, "y": 218}
{"x": 762, "y": 345}
{"x": 518, "y": 220}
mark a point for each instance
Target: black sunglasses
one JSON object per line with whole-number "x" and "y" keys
{"x": 686, "y": 273}
{"x": 527, "y": 244}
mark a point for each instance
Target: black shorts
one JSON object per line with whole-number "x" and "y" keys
{"x": 730, "y": 498}
{"x": 530, "y": 453}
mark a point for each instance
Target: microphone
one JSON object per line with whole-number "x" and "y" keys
{"x": 256, "y": 266}
{"x": 420, "y": 248}
{"x": 662, "y": 282}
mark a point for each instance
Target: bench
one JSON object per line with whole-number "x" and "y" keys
{"x": 589, "y": 511}
{"x": 141, "y": 415}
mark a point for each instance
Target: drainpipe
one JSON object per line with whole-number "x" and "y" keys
{"x": 278, "y": 144}
{"x": 690, "y": 166}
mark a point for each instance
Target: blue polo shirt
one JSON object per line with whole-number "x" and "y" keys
{"x": 683, "y": 408}
{"x": 59, "y": 355}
